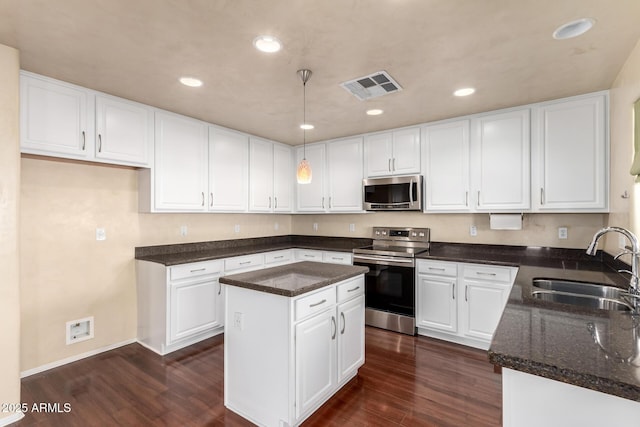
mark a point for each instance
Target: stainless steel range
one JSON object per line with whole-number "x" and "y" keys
{"x": 390, "y": 284}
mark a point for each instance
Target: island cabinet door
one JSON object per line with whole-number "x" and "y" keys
{"x": 350, "y": 337}
{"x": 193, "y": 308}
{"x": 315, "y": 348}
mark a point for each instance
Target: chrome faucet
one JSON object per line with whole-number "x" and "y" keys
{"x": 634, "y": 289}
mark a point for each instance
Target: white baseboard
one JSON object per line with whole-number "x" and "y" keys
{"x": 71, "y": 359}
{"x": 11, "y": 419}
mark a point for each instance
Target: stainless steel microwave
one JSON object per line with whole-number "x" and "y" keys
{"x": 394, "y": 193}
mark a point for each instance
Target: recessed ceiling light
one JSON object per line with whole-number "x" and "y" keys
{"x": 267, "y": 44}
{"x": 375, "y": 112}
{"x": 191, "y": 81}
{"x": 306, "y": 126}
{"x": 573, "y": 28}
{"x": 464, "y": 91}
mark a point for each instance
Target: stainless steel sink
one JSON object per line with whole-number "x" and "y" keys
{"x": 591, "y": 295}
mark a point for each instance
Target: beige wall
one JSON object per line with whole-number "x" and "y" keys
{"x": 537, "y": 229}
{"x": 9, "y": 240}
{"x": 624, "y": 92}
{"x": 66, "y": 274}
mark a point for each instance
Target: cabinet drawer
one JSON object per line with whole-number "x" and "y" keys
{"x": 315, "y": 303}
{"x": 350, "y": 289}
{"x": 336, "y": 257}
{"x": 439, "y": 268}
{"x": 195, "y": 269}
{"x": 492, "y": 273}
{"x": 308, "y": 255}
{"x": 278, "y": 257}
{"x": 243, "y": 262}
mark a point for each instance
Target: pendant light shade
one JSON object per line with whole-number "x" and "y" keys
{"x": 303, "y": 174}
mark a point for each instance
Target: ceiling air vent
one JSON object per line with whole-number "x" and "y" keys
{"x": 372, "y": 86}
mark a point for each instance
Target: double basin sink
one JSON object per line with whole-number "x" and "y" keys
{"x": 588, "y": 295}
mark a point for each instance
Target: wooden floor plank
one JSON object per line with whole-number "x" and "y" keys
{"x": 406, "y": 381}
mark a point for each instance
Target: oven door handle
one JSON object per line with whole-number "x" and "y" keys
{"x": 382, "y": 258}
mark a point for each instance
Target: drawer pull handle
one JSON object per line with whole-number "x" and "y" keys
{"x": 199, "y": 269}
{"x": 309, "y": 256}
{"x": 337, "y": 258}
{"x": 482, "y": 273}
{"x": 278, "y": 257}
{"x": 245, "y": 262}
{"x": 344, "y": 323}
{"x": 353, "y": 289}
{"x": 318, "y": 303}
{"x": 436, "y": 268}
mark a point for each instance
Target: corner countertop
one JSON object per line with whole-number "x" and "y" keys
{"x": 295, "y": 279}
{"x": 204, "y": 251}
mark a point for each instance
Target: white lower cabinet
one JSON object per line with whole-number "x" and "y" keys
{"x": 313, "y": 345}
{"x": 178, "y": 305}
{"x": 461, "y": 302}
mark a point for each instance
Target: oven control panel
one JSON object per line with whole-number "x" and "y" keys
{"x": 402, "y": 234}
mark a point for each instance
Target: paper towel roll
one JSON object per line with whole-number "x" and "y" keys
{"x": 505, "y": 221}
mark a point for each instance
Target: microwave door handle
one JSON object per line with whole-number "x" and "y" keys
{"x": 411, "y": 192}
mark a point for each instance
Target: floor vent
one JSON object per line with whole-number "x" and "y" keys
{"x": 372, "y": 86}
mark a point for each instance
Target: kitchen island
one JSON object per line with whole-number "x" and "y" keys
{"x": 294, "y": 335}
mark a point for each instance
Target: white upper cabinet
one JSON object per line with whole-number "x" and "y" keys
{"x": 336, "y": 184}
{"x": 181, "y": 164}
{"x": 228, "y": 170}
{"x": 500, "y": 153}
{"x": 59, "y": 119}
{"x": 446, "y": 166}
{"x": 56, "y": 118}
{"x": 270, "y": 176}
{"x": 124, "y": 131}
{"x": 311, "y": 196}
{"x": 344, "y": 162}
{"x": 283, "y": 178}
{"x": 571, "y": 155}
{"x": 392, "y": 153}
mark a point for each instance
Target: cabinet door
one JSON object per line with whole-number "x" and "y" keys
{"x": 501, "y": 157}
{"x": 311, "y": 197}
{"x": 228, "y": 170}
{"x": 283, "y": 178}
{"x": 180, "y": 163}
{"x": 260, "y": 175}
{"x": 406, "y": 152}
{"x": 446, "y": 161}
{"x": 378, "y": 152}
{"x": 350, "y": 337}
{"x": 193, "y": 308}
{"x": 315, "y": 350}
{"x": 124, "y": 131}
{"x": 482, "y": 307}
{"x": 344, "y": 164}
{"x": 437, "y": 303}
{"x": 54, "y": 118}
{"x": 572, "y": 150}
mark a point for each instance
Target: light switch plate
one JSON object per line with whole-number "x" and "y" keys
{"x": 563, "y": 233}
{"x": 101, "y": 234}
{"x": 473, "y": 230}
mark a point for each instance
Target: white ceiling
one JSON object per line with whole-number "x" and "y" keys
{"x": 137, "y": 49}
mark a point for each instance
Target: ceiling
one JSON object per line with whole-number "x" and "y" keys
{"x": 138, "y": 50}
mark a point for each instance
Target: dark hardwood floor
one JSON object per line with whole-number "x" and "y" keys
{"x": 406, "y": 381}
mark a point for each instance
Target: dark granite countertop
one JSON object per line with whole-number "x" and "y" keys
{"x": 295, "y": 279}
{"x": 204, "y": 251}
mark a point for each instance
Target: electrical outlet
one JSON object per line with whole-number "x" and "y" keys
{"x": 352, "y": 228}
{"x": 276, "y": 226}
{"x": 315, "y": 226}
{"x": 101, "y": 234}
{"x": 563, "y": 233}
{"x": 473, "y": 231}
{"x": 183, "y": 230}
{"x": 236, "y": 228}
{"x": 238, "y": 320}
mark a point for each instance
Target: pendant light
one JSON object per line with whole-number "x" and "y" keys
{"x": 303, "y": 174}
